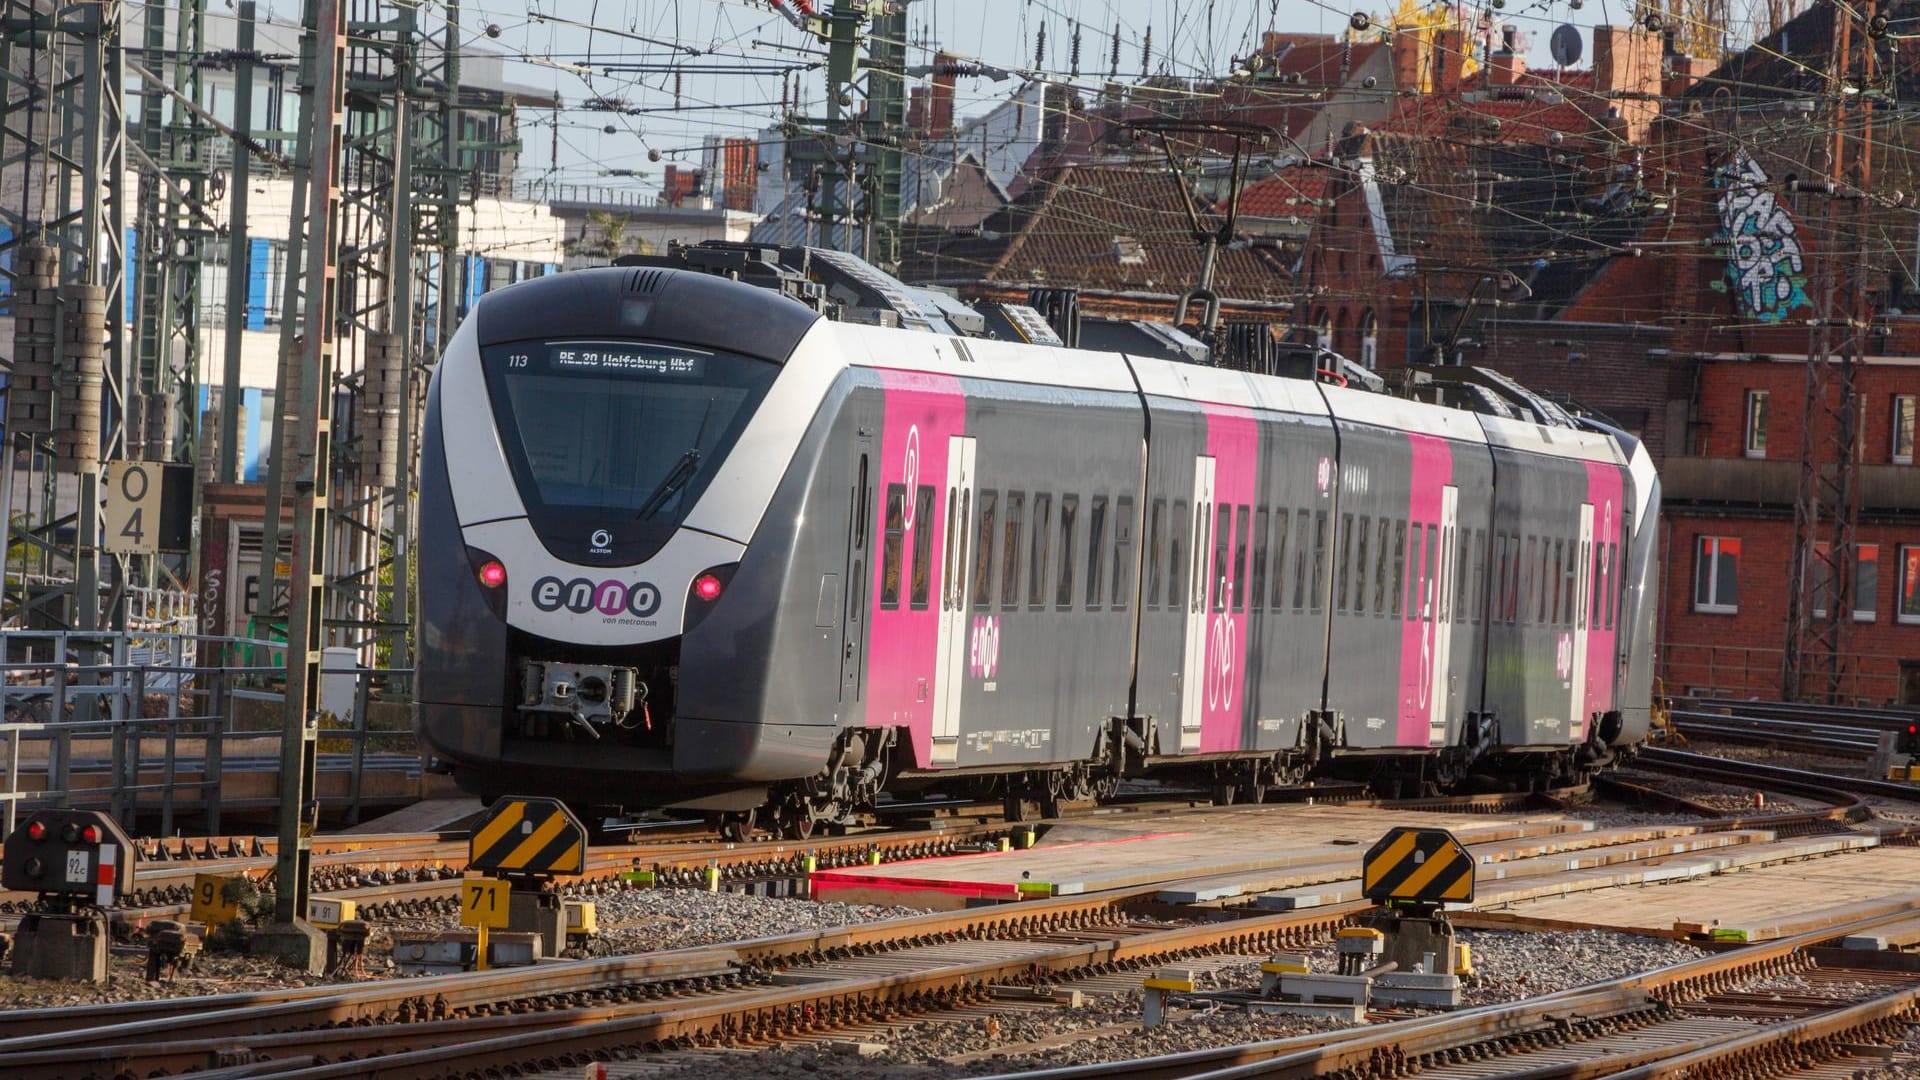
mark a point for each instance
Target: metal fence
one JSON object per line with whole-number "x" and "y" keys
{"x": 161, "y": 724}
{"x": 1714, "y": 669}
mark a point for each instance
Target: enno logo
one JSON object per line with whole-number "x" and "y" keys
{"x": 610, "y": 598}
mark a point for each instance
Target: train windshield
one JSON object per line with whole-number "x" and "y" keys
{"x": 614, "y": 440}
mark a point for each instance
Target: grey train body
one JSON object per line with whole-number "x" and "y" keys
{"x": 855, "y": 559}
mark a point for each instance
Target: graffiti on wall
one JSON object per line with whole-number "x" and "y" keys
{"x": 1765, "y": 269}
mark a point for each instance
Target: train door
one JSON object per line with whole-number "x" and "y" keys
{"x": 1439, "y": 614}
{"x": 1193, "y": 678}
{"x": 950, "y": 662}
{"x": 1582, "y": 588}
{"x": 860, "y": 530}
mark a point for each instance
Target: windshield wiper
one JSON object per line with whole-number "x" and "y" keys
{"x": 675, "y": 479}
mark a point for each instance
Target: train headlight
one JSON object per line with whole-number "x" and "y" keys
{"x": 705, "y": 591}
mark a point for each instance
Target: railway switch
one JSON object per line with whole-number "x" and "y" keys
{"x": 78, "y": 862}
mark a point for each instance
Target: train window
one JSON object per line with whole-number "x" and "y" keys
{"x": 1345, "y": 560}
{"x": 1122, "y": 552}
{"x": 1319, "y": 557}
{"x": 1499, "y": 609}
{"x": 1479, "y": 576}
{"x": 1156, "y": 544}
{"x": 1613, "y": 581}
{"x": 1176, "y": 555}
{"x": 1460, "y": 564}
{"x": 983, "y": 550}
{"x": 955, "y": 590}
{"x": 1202, "y": 581}
{"x": 1010, "y": 549}
{"x": 1399, "y": 565}
{"x": 1096, "y": 548}
{"x": 863, "y": 496}
{"x": 1380, "y": 564}
{"x": 1063, "y": 588}
{"x": 1360, "y": 562}
{"x": 1442, "y": 595}
{"x": 922, "y": 547}
{"x": 1280, "y": 519}
{"x": 1241, "y": 523}
{"x": 1560, "y": 589}
{"x": 1042, "y": 538}
{"x": 1258, "y": 586}
{"x": 856, "y": 581}
{"x": 1300, "y": 560}
{"x": 1580, "y": 601}
{"x": 1597, "y": 593}
{"x": 1543, "y": 584}
{"x": 1413, "y": 571}
{"x": 1222, "y": 536}
{"x": 890, "y": 550}
{"x": 1430, "y": 581}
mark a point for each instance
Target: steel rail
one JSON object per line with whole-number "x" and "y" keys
{"x": 1670, "y": 983}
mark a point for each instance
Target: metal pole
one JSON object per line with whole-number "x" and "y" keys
{"x": 292, "y": 938}
{"x": 239, "y": 264}
{"x": 400, "y": 326}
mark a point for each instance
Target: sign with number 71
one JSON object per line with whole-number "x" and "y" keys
{"x": 483, "y": 902}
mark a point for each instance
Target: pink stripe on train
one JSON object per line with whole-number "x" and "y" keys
{"x": 922, "y": 410}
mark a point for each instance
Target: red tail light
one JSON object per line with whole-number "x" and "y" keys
{"x": 36, "y": 830}
{"x": 492, "y": 574}
{"x": 91, "y": 834}
{"x": 707, "y": 587}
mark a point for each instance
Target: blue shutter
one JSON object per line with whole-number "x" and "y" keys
{"x": 476, "y": 282}
{"x": 132, "y": 273}
{"x": 250, "y": 439}
{"x": 259, "y": 256}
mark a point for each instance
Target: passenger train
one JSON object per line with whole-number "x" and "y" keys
{"x": 765, "y": 533}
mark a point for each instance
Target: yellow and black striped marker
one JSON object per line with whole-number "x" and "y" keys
{"x": 528, "y": 836}
{"x": 1418, "y": 866}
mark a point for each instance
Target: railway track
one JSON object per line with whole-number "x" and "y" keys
{"x": 1696, "y": 1019}
{"x": 771, "y": 988}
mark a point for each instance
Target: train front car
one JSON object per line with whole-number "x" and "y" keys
{"x": 599, "y": 448}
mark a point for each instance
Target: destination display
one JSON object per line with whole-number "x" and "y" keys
{"x": 605, "y": 358}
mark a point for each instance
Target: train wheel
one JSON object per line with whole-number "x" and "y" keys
{"x": 1223, "y": 794}
{"x": 734, "y": 828}
{"x": 1254, "y": 793}
{"x": 797, "y": 822}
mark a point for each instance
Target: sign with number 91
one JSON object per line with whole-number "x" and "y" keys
{"x": 483, "y": 902}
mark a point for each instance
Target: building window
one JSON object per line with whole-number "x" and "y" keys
{"x": 1903, "y": 417}
{"x": 1866, "y": 581}
{"x": 1756, "y": 437}
{"x": 1909, "y": 583}
{"x": 1716, "y": 575}
{"x": 1369, "y": 341}
{"x": 1323, "y": 331}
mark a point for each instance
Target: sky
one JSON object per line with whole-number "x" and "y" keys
{"x": 566, "y": 46}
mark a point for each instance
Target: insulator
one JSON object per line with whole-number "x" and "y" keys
{"x": 676, "y": 89}
{"x": 1040, "y": 46}
{"x": 1146, "y": 52}
{"x": 1073, "y": 61}
{"x": 1113, "y": 64}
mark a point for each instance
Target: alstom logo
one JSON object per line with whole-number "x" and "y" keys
{"x": 639, "y": 599}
